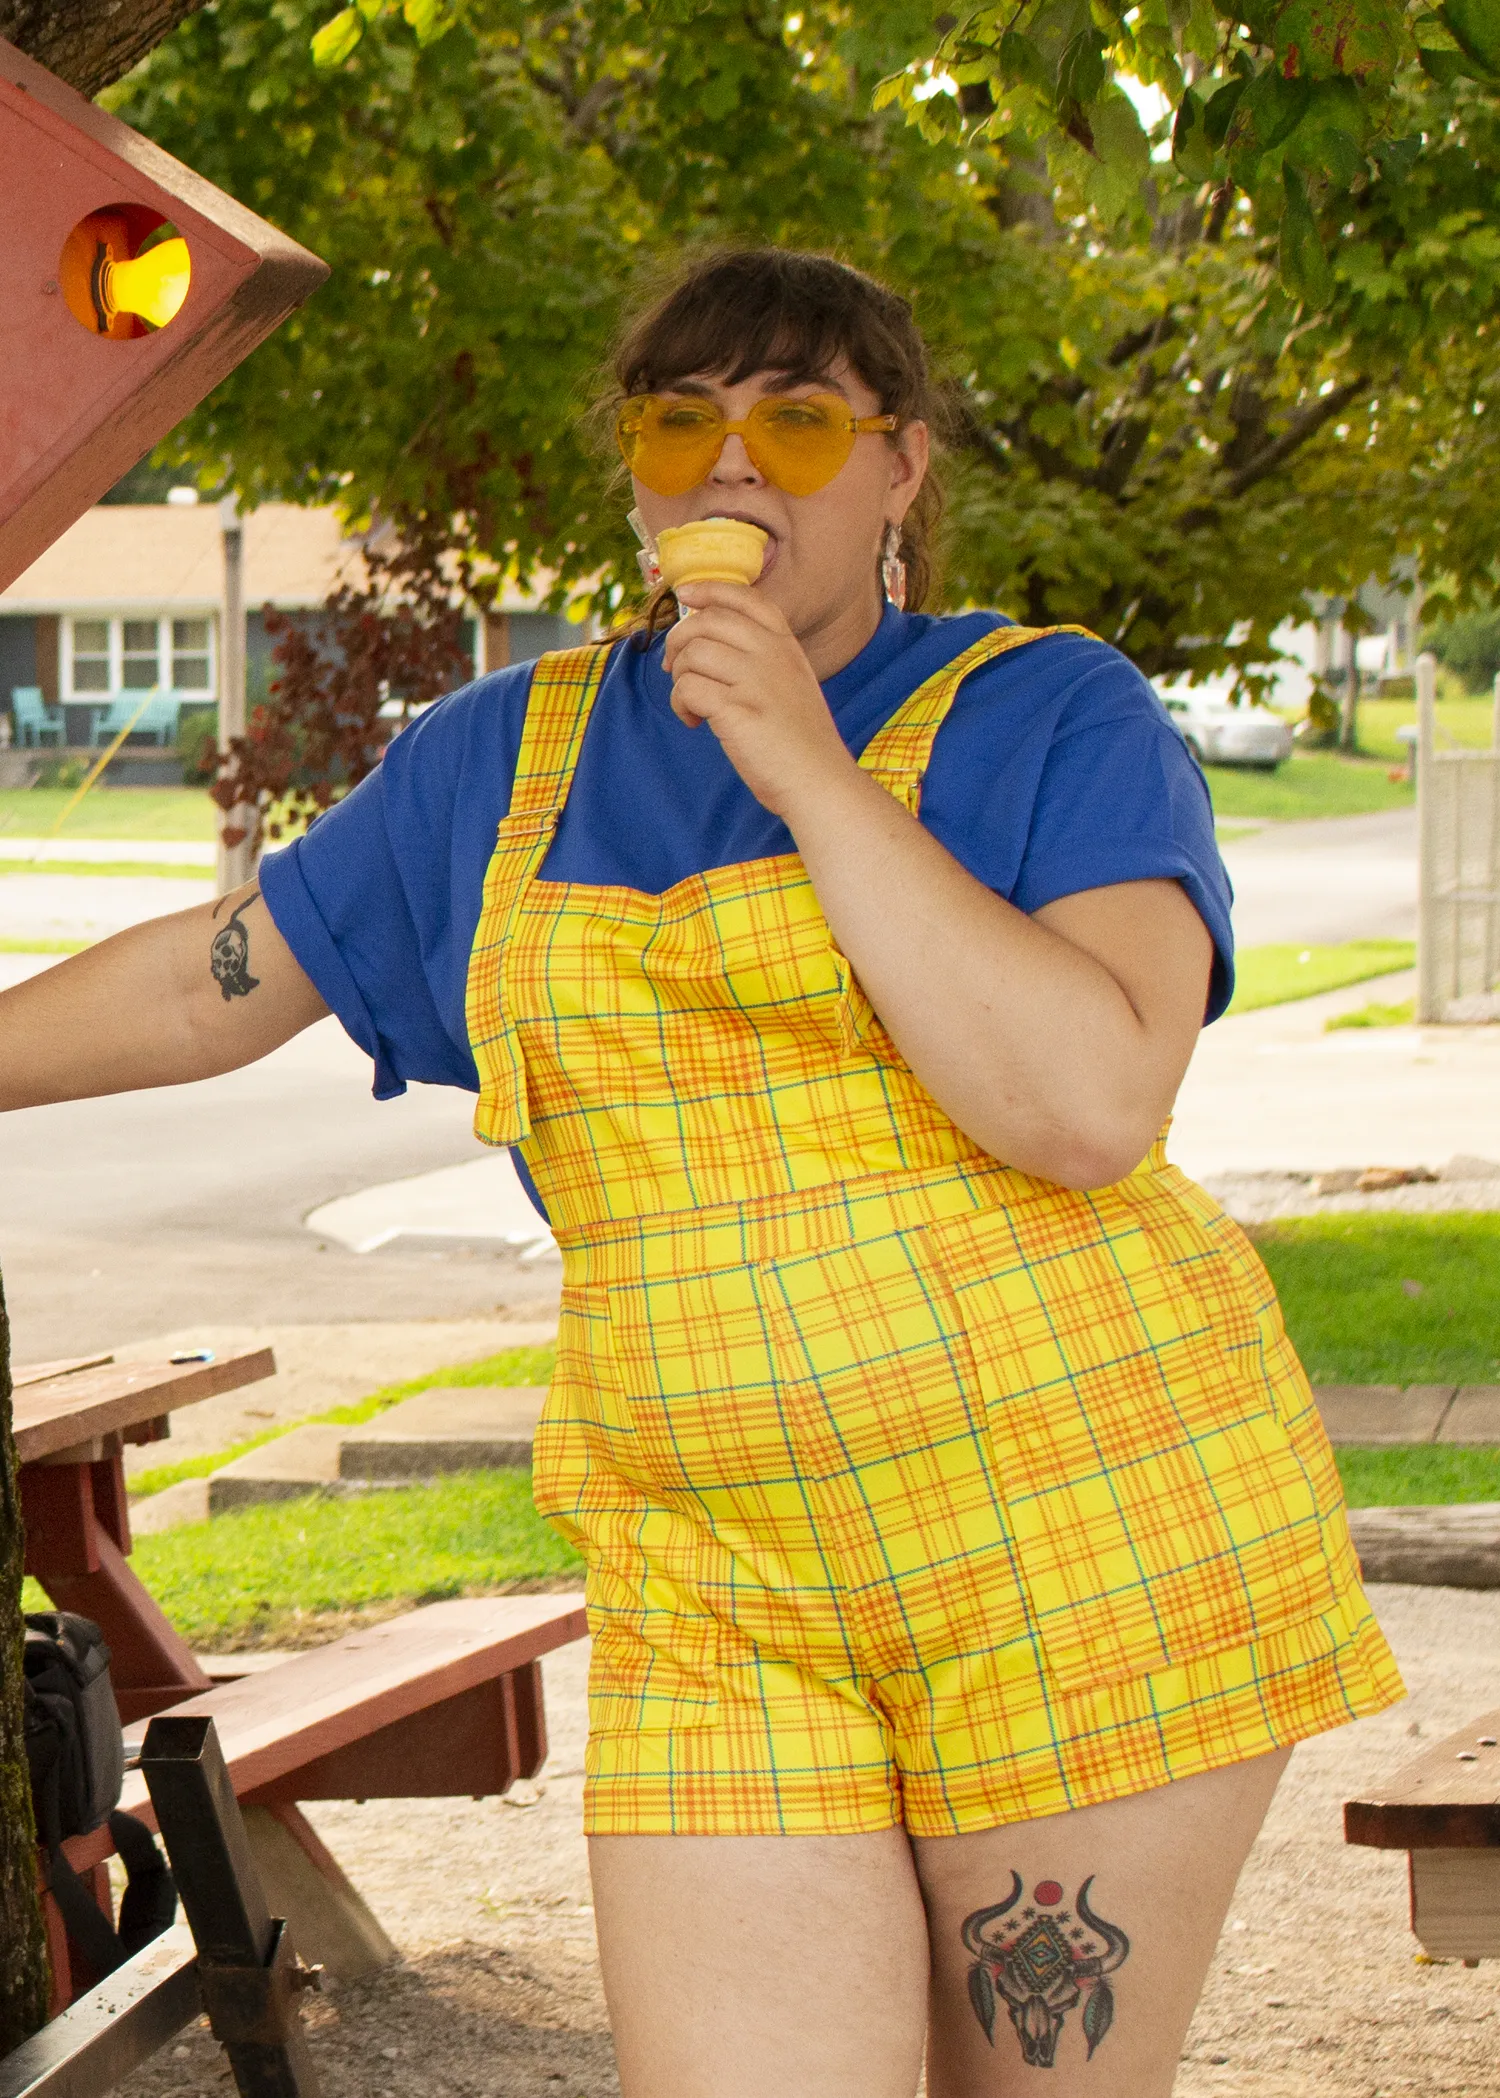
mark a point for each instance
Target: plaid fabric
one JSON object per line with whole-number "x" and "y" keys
{"x": 910, "y": 1488}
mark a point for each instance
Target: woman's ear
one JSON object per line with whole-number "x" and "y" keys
{"x": 910, "y": 452}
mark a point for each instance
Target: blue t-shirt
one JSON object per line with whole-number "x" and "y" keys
{"x": 1056, "y": 770}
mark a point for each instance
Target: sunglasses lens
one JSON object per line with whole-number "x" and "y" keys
{"x": 670, "y": 445}
{"x": 800, "y": 444}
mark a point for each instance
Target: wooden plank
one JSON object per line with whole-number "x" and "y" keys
{"x": 63, "y": 1411}
{"x": 39, "y": 1372}
{"x": 1455, "y": 1903}
{"x": 1447, "y": 1798}
{"x": 272, "y": 1725}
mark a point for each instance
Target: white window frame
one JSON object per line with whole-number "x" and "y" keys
{"x": 115, "y": 622}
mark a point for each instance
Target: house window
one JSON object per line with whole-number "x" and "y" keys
{"x": 190, "y": 656}
{"x": 91, "y": 656}
{"x": 103, "y": 658}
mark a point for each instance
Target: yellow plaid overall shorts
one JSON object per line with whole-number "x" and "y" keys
{"x": 911, "y": 1489}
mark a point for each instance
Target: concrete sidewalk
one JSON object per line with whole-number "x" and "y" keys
{"x": 1271, "y": 1090}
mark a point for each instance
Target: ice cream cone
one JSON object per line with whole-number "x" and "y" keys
{"x": 711, "y": 550}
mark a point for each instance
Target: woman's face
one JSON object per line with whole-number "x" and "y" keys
{"x": 822, "y": 562}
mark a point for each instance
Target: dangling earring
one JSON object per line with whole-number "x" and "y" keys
{"x": 893, "y": 568}
{"x": 646, "y": 559}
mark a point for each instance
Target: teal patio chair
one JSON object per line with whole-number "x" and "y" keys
{"x": 36, "y": 722}
{"x": 159, "y": 719}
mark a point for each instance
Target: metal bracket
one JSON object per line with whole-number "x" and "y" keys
{"x": 256, "y": 2006}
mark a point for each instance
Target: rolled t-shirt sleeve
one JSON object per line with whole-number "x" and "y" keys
{"x": 338, "y": 899}
{"x": 1121, "y": 798}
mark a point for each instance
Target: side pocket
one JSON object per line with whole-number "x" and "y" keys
{"x": 654, "y": 1665}
{"x": 1158, "y": 1509}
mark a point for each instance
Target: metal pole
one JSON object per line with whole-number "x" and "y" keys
{"x": 247, "y": 1969}
{"x": 1429, "y": 996}
{"x": 236, "y": 863}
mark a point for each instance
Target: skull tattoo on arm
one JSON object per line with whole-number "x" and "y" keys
{"x": 229, "y": 956}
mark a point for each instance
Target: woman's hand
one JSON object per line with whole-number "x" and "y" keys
{"x": 737, "y": 665}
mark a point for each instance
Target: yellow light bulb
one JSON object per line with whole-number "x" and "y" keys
{"x": 153, "y": 286}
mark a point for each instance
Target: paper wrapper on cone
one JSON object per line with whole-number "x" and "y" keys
{"x": 713, "y": 550}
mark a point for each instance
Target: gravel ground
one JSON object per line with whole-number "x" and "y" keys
{"x": 1259, "y": 1198}
{"x": 1315, "y": 1990}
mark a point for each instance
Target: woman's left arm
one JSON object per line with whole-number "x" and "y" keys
{"x": 1058, "y": 1041}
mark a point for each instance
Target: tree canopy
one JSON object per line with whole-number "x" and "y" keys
{"x": 1155, "y": 432}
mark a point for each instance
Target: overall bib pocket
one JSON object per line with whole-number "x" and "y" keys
{"x": 1158, "y": 1509}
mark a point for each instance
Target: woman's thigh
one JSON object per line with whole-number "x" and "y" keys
{"x": 763, "y": 1966}
{"x": 1068, "y": 1954}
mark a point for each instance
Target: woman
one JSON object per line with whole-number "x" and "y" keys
{"x": 964, "y": 1551}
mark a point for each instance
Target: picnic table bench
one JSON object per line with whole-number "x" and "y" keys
{"x": 71, "y": 1421}
{"x": 1443, "y": 1809}
{"x": 445, "y": 1701}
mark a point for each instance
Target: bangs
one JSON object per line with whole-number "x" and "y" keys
{"x": 797, "y": 316}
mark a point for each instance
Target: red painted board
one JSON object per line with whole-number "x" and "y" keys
{"x": 78, "y": 409}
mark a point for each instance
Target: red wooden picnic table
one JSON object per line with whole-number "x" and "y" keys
{"x": 71, "y": 1423}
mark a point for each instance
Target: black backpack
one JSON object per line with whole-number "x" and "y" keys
{"x": 76, "y": 1754}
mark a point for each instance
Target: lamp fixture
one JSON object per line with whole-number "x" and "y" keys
{"x": 114, "y": 289}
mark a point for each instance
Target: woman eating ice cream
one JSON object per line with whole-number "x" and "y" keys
{"x": 964, "y": 1553}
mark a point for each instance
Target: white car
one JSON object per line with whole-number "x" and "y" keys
{"x": 1219, "y": 734}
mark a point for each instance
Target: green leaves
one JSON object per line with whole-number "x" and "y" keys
{"x": 1475, "y": 27}
{"x": 336, "y": 40}
{"x": 1359, "y": 38}
{"x": 1304, "y": 263}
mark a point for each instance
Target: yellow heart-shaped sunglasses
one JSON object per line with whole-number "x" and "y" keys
{"x": 798, "y": 441}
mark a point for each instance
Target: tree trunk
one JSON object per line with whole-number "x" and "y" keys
{"x": 23, "y": 1952}
{"x": 89, "y": 43}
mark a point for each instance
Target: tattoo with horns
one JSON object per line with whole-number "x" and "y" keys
{"x": 1040, "y": 1967}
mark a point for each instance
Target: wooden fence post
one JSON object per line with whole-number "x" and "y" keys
{"x": 1429, "y": 997}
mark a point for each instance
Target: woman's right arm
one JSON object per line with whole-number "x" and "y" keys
{"x": 181, "y": 997}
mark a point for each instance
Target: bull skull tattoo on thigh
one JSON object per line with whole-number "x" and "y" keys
{"x": 1039, "y": 1963}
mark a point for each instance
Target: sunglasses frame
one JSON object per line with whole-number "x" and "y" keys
{"x": 743, "y": 427}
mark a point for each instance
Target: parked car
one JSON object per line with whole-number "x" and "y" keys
{"x": 1219, "y": 734}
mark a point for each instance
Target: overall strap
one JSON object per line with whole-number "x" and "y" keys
{"x": 563, "y": 689}
{"x": 898, "y": 754}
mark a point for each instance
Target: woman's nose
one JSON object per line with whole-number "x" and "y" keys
{"x": 734, "y": 467}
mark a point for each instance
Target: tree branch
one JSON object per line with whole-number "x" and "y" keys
{"x": 1305, "y": 424}
{"x": 89, "y": 43}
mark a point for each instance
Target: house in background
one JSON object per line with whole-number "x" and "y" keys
{"x": 130, "y": 601}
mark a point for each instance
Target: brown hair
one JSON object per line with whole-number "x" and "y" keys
{"x": 738, "y": 311}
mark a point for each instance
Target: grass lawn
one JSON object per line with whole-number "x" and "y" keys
{"x": 1468, "y": 721}
{"x": 158, "y": 870}
{"x": 173, "y": 813}
{"x": 1276, "y": 975}
{"x": 265, "y": 1576}
{"x": 1401, "y": 1014}
{"x": 1390, "y": 1299}
{"x": 1310, "y": 783}
{"x": 25, "y": 946}
{"x": 1418, "y": 1475}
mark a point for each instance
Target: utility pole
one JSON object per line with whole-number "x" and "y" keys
{"x": 236, "y": 863}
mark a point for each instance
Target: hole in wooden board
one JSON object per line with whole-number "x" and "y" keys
{"x": 124, "y": 272}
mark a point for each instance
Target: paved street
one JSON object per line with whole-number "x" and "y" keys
{"x": 137, "y": 1215}
{"x": 1315, "y": 884}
